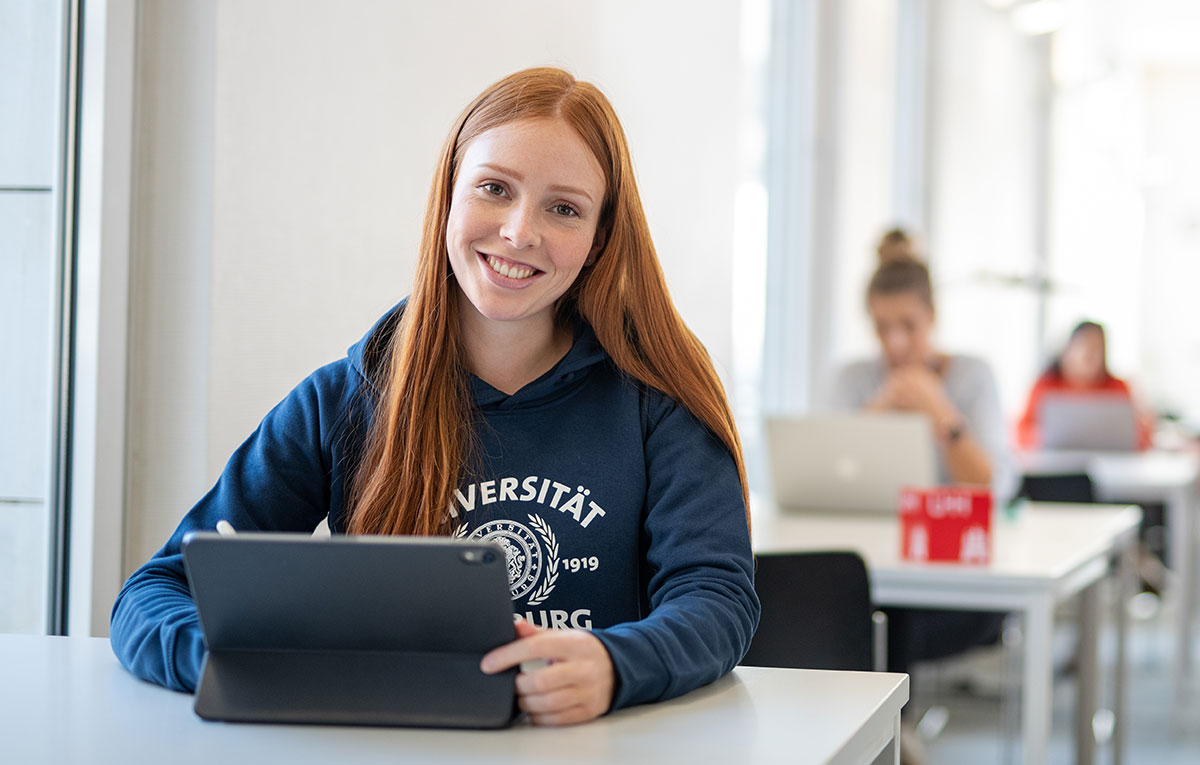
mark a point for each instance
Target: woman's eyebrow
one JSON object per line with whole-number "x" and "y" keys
{"x": 502, "y": 169}
{"x": 521, "y": 179}
{"x": 573, "y": 190}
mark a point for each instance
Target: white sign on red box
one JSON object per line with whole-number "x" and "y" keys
{"x": 946, "y": 523}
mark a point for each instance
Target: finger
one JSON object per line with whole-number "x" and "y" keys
{"x": 572, "y": 716}
{"x": 525, "y": 629}
{"x": 508, "y": 656}
{"x": 539, "y": 646}
{"x": 550, "y": 703}
{"x": 564, "y": 674}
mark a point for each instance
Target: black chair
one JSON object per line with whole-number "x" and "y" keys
{"x": 816, "y": 613}
{"x": 1060, "y": 487}
{"x": 1078, "y": 487}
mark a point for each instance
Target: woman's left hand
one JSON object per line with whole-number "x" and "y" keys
{"x": 576, "y": 684}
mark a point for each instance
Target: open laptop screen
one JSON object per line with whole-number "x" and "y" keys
{"x": 849, "y": 461}
{"x": 1087, "y": 422}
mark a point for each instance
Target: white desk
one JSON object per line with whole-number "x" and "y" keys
{"x": 1044, "y": 555}
{"x": 1153, "y": 476}
{"x": 68, "y": 700}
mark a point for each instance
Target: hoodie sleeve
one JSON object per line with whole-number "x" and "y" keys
{"x": 701, "y": 590}
{"x": 279, "y": 479}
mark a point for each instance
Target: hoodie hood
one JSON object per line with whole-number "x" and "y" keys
{"x": 367, "y": 355}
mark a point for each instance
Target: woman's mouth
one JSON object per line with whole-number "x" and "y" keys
{"x": 508, "y": 268}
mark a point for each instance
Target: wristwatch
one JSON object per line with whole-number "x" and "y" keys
{"x": 955, "y": 431}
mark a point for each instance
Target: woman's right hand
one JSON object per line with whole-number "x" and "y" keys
{"x": 916, "y": 388}
{"x": 575, "y": 683}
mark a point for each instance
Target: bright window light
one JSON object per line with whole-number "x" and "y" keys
{"x": 1039, "y": 18}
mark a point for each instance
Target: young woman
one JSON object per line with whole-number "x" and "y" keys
{"x": 1081, "y": 368}
{"x": 537, "y": 389}
{"x": 957, "y": 393}
{"x": 959, "y": 396}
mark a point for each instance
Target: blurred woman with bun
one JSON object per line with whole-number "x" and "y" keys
{"x": 958, "y": 394}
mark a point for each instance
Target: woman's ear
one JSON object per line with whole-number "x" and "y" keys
{"x": 597, "y": 245}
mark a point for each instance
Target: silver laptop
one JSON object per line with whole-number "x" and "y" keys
{"x": 1089, "y": 422}
{"x": 850, "y": 462}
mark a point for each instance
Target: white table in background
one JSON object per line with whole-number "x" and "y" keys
{"x": 1151, "y": 476}
{"x": 1044, "y": 555}
{"x": 68, "y": 700}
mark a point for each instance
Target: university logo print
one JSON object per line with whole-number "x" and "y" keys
{"x": 531, "y": 554}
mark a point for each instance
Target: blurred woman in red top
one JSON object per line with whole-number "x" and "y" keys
{"x": 1081, "y": 368}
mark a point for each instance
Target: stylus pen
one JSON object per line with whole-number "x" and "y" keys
{"x": 225, "y": 528}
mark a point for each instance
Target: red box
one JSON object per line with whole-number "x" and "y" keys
{"x": 946, "y": 523}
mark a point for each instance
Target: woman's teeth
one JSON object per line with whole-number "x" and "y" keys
{"x": 512, "y": 272}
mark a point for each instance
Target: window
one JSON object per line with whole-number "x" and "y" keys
{"x": 931, "y": 114}
{"x": 33, "y": 200}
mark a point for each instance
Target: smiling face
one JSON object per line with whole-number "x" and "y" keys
{"x": 523, "y": 218}
{"x": 904, "y": 326}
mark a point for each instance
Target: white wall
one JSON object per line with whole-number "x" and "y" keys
{"x": 285, "y": 153}
{"x": 172, "y": 300}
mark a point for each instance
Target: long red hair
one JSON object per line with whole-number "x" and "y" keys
{"x": 421, "y": 438}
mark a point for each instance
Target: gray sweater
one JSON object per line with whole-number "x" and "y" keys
{"x": 972, "y": 389}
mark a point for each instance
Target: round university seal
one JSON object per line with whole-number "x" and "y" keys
{"x": 521, "y": 550}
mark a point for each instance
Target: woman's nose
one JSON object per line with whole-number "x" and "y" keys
{"x": 519, "y": 228}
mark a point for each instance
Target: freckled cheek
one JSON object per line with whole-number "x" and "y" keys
{"x": 568, "y": 261}
{"x": 454, "y": 224}
{"x": 465, "y": 230}
{"x": 570, "y": 250}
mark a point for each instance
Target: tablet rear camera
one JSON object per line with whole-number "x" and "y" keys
{"x": 478, "y": 556}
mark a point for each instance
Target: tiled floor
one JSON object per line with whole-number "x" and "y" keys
{"x": 975, "y": 729}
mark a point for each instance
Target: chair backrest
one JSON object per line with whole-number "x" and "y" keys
{"x": 1061, "y": 487}
{"x": 816, "y": 612}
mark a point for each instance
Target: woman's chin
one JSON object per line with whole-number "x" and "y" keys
{"x": 508, "y": 310}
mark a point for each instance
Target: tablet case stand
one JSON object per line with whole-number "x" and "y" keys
{"x": 361, "y": 631}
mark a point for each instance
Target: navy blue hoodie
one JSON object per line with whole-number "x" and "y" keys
{"x": 618, "y": 510}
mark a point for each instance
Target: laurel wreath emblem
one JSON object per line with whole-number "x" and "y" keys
{"x": 460, "y": 532}
{"x": 547, "y": 586}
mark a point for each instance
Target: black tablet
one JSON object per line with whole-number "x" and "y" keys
{"x": 351, "y": 630}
